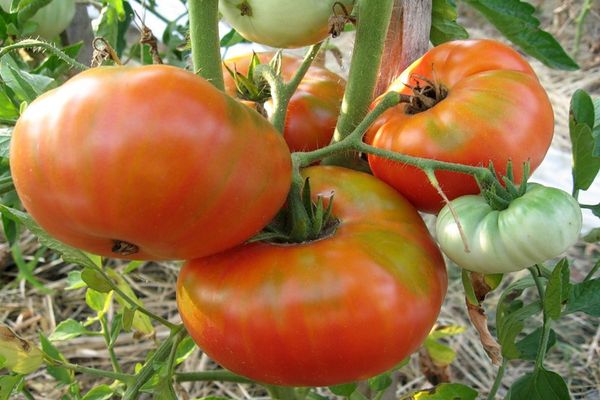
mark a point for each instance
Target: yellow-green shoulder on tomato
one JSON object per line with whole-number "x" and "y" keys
{"x": 52, "y": 19}
{"x": 538, "y": 226}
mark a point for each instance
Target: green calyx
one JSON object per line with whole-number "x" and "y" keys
{"x": 253, "y": 87}
{"x": 302, "y": 220}
{"x": 500, "y": 196}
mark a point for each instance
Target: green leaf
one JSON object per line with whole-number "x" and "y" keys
{"x": 381, "y": 382}
{"x": 582, "y": 108}
{"x": 118, "y": 6}
{"x": 468, "y": 287}
{"x": 539, "y": 385}
{"x": 128, "y": 315}
{"x": 515, "y": 20}
{"x": 440, "y": 353}
{"x": 141, "y": 322}
{"x": 97, "y": 301}
{"x": 585, "y": 165}
{"x": 443, "y": 23}
{"x": 68, "y": 253}
{"x": 102, "y": 392}
{"x": 528, "y": 346}
{"x": 68, "y": 329}
{"x": 345, "y": 389}
{"x": 107, "y": 25}
{"x": 445, "y": 391}
{"x": 19, "y": 355}
{"x": 513, "y": 324}
{"x": 96, "y": 280}
{"x": 596, "y": 129}
{"x": 8, "y": 111}
{"x": 585, "y": 297}
{"x": 61, "y": 374}
{"x": 446, "y": 331}
{"x": 185, "y": 348}
{"x": 115, "y": 328}
{"x": 74, "y": 280}
{"x": 553, "y": 299}
{"x": 8, "y": 383}
{"x": 232, "y": 38}
{"x": 5, "y": 137}
{"x": 592, "y": 236}
{"x": 26, "y": 86}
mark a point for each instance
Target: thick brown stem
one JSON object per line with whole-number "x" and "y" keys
{"x": 407, "y": 39}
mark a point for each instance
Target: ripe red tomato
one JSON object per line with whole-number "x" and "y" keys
{"x": 314, "y": 107}
{"x": 148, "y": 162}
{"x": 346, "y": 307}
{"x": 495, "y": 110}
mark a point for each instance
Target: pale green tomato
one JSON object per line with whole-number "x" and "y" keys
{"x": 535, "y": 227}
{"x": 282, "y": 23}
{"x": 51, "y": 19}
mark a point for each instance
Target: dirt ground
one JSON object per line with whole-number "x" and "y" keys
{"x": 576, "y": 356}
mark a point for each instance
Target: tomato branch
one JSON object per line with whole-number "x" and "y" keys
{"x": 371, "y": 31}
{"x": 497, "y": 380}
{"x": 204, "y": 37}
{"x": 541, "y": 354}
{"x": 125, "y": 378}
{"x": 216, "y": 375}
{"x": 31, "y": 43}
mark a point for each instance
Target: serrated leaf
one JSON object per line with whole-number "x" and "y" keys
{"x": 585, "y": 297}
{"x": 20, "y": 355}
{"x": 95, "y": 280}
{"x": 68, "y": 253}
{"x": 343, "y": 390}
{"x": 445, "y": 391}
{"x": 539, "y": 385}
{"x": 101, "y": 392}
{"x": 553, "y": 299}
{"x": 8, "y": 383}
{"x": 529, "y": 345}
{"x": 26, "y": 86}
{"x": 68, "y": 329}
{"x": 444, "y": 27}
{"x": 515, "y": 20}
{"x": 380, "y": 382}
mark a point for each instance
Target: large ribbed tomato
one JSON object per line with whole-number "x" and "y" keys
{"x": 494, "y": 110}
{"x": 313, "y": 109}
{"x": 147, "y": 162}
{"x": 346, "y": 307}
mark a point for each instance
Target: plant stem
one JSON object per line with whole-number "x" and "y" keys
{"x": 539, "y": 361}
{"x": 282, "y": 92}
{"x": 119, "y": 376}
{"x": 585, "y": 9}
{"x": 498, "y": 380}
{"x": 204, "y": 38}
{"x": 281, "y": 392}
{"x": 373, "y": 20}
{"x": 29, "y": 43}
{"x": 111, "y": 351}
{"x": 149, "y": 368}
{"x": 217, "y": 375}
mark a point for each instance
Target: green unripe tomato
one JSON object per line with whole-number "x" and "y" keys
{"x": 535, "y": 227}
{"x": 52, "y": 19}
{"x": 281, "y": 23}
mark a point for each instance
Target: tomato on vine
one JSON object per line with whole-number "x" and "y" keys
{"x": 147, "y": 162}
{"x": 313, "y": 108}
{"x": 344, "y": 307}
{"x": 283, "y": 23}
{"x": 475, "y": 102}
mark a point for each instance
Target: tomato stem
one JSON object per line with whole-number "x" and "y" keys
{"x": 29, "y": 43}
{"x": 543, "y": 345}
{"x": 216, "y": 375}
{"x": 497, "y": 380}
{"x": 373, "y": 20}
{"x": 204, "y": 37}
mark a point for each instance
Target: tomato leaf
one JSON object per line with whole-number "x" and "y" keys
{"x": 69, "y": 329}
{"x": 592, "y": 236}
{"x": 61, "y": 374}
{"x": 185, "y": 348}
{"x": 232, "y": 38}
{"x": 585, "y": 297}
{"x": 539, "y": 385}
{"x": 515, "y": 20}
{"x": 107, "y": 25}
{"x": 101, "y": 392}
{"x": 68, "y": 253}
{"x": 444, "y": 27}
{"x": 582, "y": 108}
{"x": 95, "y": 280}
{"x": 528, "y": 346}
{"x": 97, "y": 301}
{"x": 596, "y": 128}
{"x": 381, "y": 382}
{"x": 555, "y": 290}
{"x": 74, "y": 280}
{"x": 345, "y": 389}
{"x": 9, "y": 112}
{"x": 27, "y": 9}
{"x": 8, "y": 383}
{"x": 20, "y": 355}
{"x": 445, "y": 391}
{"x": 26, "y": 86}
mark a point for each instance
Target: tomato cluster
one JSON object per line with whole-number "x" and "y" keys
{"x": 155, "y": 163}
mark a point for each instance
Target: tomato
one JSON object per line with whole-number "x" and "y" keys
{"x": 345, "y": 307}
{"x": 51, "y": 19}
{"x": 282, "y": 23}
{"x": 147, "y": 162}
{"x": 535, "y": 227}
{"x": 312, "y": 110}
{"x": 494, "y": 110}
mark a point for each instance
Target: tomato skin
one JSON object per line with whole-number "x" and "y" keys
{"x": 496, "y": 110}
{"x": 154, "y": 156}
{"x": 535, "y": 227}
{"x": 52, "y": 19}
{"x": 281, "y": 23}
{"x": 323, "y": 312}
{"x": 314, "y": 107}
